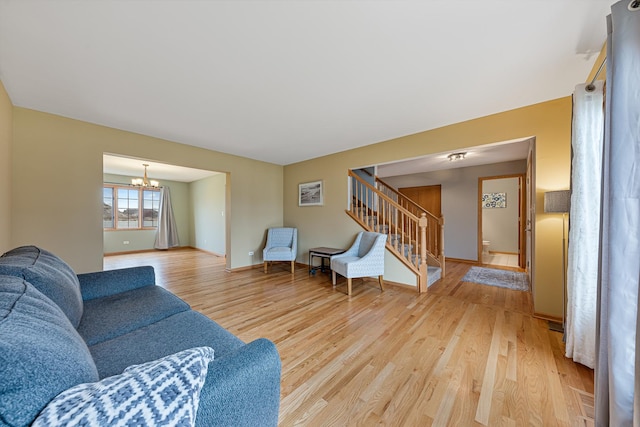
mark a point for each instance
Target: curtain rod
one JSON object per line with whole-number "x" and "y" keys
{"x": 591, "y": 87}
{"x": 633, "y": 5}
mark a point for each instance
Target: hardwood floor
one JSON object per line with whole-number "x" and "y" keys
{"x": 500, "y": 259}
{"x": 462, "y": 354}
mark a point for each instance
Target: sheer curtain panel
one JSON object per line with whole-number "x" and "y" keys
{"x": 587, "y": 135}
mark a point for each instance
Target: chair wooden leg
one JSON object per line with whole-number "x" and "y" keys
{"x": 293, "y": 266}
{"x": 349, "y": 286}
{"x": 381, "y": 282}
{"x": 333, "y": 278}
{"x": 265, "y": 266}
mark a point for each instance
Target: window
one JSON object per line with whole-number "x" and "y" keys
{"x": 107, "y": 207}
{"x": 150, "y": 208}
{"x": 129, "y": 208}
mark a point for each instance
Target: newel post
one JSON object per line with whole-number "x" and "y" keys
{"x": 442, "y": 260}
{"x": 422, "y": 282}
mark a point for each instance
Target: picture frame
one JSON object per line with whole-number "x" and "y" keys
{"x": 494, "y": 200}
{"x": 310, "y": 194}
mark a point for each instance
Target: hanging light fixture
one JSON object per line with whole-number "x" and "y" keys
{"x": 145, "y": 182}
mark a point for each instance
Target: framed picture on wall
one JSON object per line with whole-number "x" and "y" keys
{"x": 494, "y": 200}
{"x": 310, "y": 194}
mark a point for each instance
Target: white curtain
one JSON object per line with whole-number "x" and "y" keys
{"x": 617, "y": 374}
{"x": 167, "y": 234}
{"x": 584, "y": 233}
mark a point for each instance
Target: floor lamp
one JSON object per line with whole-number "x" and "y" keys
{"x": 558, "y": 202}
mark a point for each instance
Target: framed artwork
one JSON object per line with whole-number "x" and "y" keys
{"x": 310, "y": 194}
{"x": 494, "y": 200}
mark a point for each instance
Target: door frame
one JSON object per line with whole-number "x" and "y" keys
{"x": 522, "y": 198}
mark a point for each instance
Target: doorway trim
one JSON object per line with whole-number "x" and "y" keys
{"x": 521, "y": 215}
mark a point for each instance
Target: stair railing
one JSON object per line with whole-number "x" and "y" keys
{"x": 435, "y": 225}
{"x": 411, "y": 238}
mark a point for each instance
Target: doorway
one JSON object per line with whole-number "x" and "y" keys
{"x": 501, "y": 225}
{"x": 200, "y": 202}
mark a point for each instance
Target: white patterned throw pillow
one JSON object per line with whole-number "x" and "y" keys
{"x": 162, "y": 392}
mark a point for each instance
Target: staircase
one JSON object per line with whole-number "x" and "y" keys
{"x": 414, "y": 235}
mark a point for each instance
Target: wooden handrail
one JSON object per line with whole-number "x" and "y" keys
{"x": 413, "y": 237}
{"x": 384, "y": 196}
{"x": 409, "y": 201}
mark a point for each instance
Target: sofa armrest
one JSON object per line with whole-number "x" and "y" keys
{"x": 104, "y": 283}
{"x": 242, "y": 388}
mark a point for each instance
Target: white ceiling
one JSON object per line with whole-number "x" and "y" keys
{"x": 285, "y": 81}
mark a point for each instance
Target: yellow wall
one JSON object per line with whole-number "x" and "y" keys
{"x": 548, "y": 122}
{"x": 6, "y": 132}
{"x": 57, "y": 186}
{"x": 207, "y": 222}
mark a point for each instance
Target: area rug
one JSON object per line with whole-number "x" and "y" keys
{"x": 495, "y": 277}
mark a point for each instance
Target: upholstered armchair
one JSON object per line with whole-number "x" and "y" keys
{"x": 365, "y": 258}
{"x": 282, "y": 245}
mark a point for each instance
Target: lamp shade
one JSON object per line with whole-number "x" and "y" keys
{"x": 557, "y": 201}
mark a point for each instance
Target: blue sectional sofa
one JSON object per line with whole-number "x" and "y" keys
{"x": 59, "y": 330}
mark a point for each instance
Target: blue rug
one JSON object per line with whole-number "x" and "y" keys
{"x": 500, "y": 278}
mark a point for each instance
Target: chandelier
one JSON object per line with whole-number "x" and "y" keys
{"x": 145, "y": 182}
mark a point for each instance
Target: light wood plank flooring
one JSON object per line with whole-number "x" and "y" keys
{"x": 500, "y": 259}
{"x": 462, "y": 354}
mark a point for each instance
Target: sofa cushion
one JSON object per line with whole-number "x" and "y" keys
{"x": 101, "y": 284}
{"x": 161, "y": 392}
{"x": 41, "y": 353}
{"x": 108, "y": 317}
{"x": 175, "y": 333}
{"x": 49, "y": 274}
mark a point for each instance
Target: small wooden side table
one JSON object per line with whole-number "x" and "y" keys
{"x": 322, "y": 253}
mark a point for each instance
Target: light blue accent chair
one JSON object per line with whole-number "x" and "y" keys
{"x": 282, "y": 245}
{"x": 365, "y": 258}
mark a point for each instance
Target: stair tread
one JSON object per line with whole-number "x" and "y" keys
{"x": 433, "y": 275}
